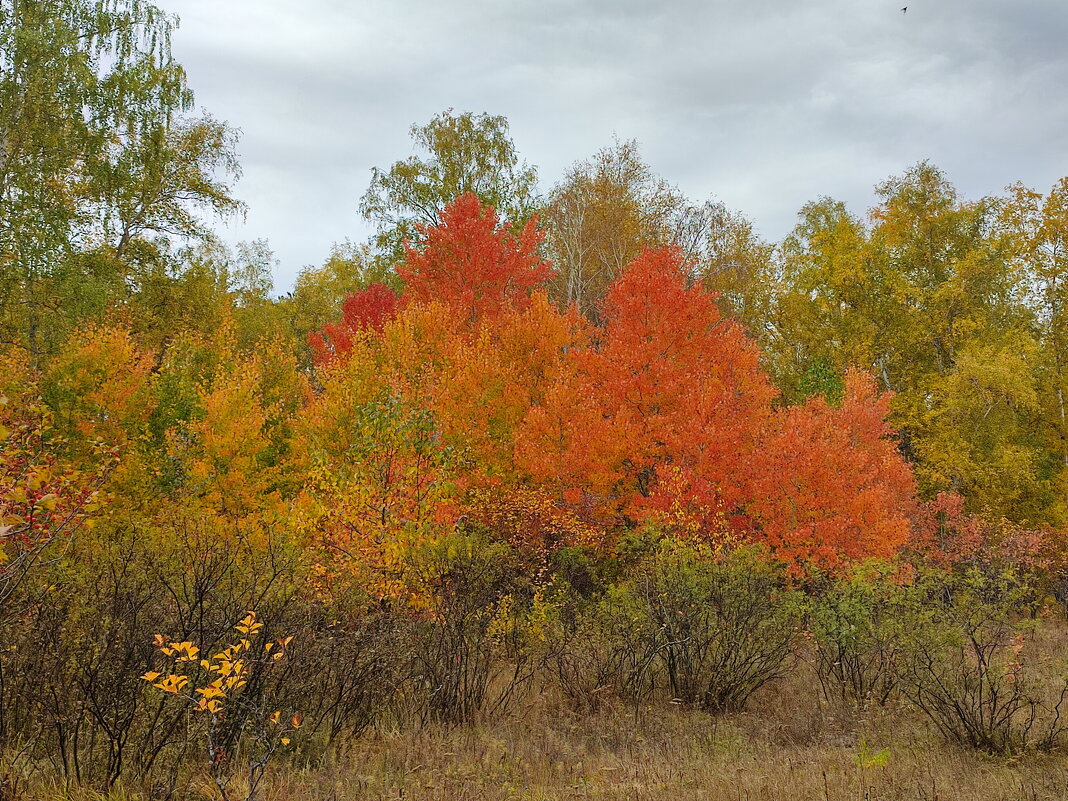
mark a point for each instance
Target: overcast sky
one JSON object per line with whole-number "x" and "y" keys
{"x": 763, "y": 104}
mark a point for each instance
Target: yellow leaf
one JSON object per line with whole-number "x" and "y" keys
{"x": 172, "y": 684}
{"x": 285, "y": 741}
{"x": 150, "y": 676}
{"x": 249, "y": 624}
{"x": 186, "y": 651}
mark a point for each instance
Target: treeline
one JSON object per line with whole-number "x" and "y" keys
{"x": 601, "y": 439}
{"x": 955, "y": 306}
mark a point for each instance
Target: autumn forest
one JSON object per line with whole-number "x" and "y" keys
{"x": 568, "y": 491}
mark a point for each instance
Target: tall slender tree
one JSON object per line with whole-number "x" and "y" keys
{"x": 94, "y": 153}
{"x": 461, "y": 153}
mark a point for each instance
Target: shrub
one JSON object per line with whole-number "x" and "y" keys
{"x": 232, "y": 700}
{"x": 470, "y": 594}
{"x": 725, "y": 625}
{"x": 607, "y": 649}
{"x": 856, "y": 632}
{"x": 965, "y": 663}
{"x": 347, "y": 666}
{"x": 71, "y": 662}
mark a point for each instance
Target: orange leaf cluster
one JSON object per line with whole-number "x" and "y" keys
{"x": 472, "y": 263}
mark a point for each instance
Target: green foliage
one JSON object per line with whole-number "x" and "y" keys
{"x": 867, "y": 758}
{"x": 161, "y": 292}
{"x": 856, "y": 628}
{"x": 821, "y": 379}
{"x": 966, "y": 663}
{"x": 97, "y": 155}
{"x": 725, "y": 626}
{"x": 709, "y": 630}
{"x": 465, "y": 152}
{"x": 605, "y": 649}
{"x": 157, "y": 185}
{"x": 474, "y": 591}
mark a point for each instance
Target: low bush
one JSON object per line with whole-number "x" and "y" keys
{"x": 856, "y": 630}
{"x": 607, "y": 650}
{"x": 965, "y": 663}
{"x": 725, "y": 625}
{"x": 471, "y": 595}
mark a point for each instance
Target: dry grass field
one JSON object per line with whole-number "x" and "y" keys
{"x": 791, "y": 745}
{"x": 676, "y": 756}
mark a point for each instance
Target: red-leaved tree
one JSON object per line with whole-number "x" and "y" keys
{"x": 367, "y": 310}
{"x": 472, "y": 263}
{"x": 836, "y": 489}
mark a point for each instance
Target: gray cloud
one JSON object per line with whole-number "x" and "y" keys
{"x": 763, "y": 104}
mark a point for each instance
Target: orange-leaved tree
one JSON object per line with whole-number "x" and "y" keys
{"x": 472, "y": 263}
{"x": 662, "y": 418}
{"x": 662, "y": 414}
{"x": 99, "y": 384}
{"x": 230, "y": 450}
{"x": 837, "y": 490}
{"x": 480, "y": 384}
